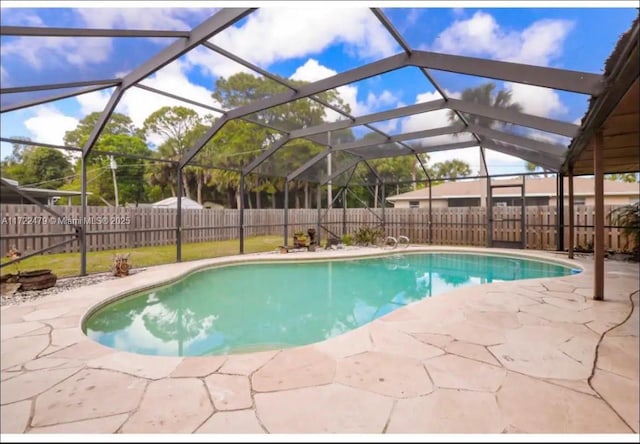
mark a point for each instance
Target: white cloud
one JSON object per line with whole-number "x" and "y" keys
{"x": 499, "y": 163}
{"x": 48, "y": 125}
{"x": 481, "y": 35}
{"x": 141, "y": 18}
{"x": 213, "y": 64}
{"x": 432, "y": 119}
{"x": 536, "y": 100}
{"x": 438, "y": 119}
{"x": 138, "y": 104}
{"x": 313, "y": 71}
{"x": 538, "y": 44}
{"x": 50, "y": 52}
{"x": 20, "y": 17}
{"x": 42, "y": 52}
{"x": 273, "y": 34}
{"x": 300, "y": 32}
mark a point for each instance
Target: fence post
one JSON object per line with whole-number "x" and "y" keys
{"x": 179, "y": 218}
{"x": 319, "y": 202}
{"x": 384, "y": 205}
{"x": 560, "y": 205}
{"x": 344, "y": 210}
{"x": 241, "y": 221}
{"x": 83, "y": 225}
{"x": 286, "y": 213}
{"x": 430, "y": 215}
{"x": 572, "y": 217}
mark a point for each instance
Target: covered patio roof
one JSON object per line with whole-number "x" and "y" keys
{"x": 614, "y": 113}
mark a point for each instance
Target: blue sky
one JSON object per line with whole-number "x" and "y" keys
{"x": 307, "y": 43}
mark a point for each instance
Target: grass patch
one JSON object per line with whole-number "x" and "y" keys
{"x": 68, "y": 264}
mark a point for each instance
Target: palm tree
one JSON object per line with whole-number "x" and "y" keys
{"x": 485, "y": 95}
{"x": 531, "y": 167}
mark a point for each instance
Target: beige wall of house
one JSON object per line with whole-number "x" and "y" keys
{"x": 588, "y": 200}
{"x": 435, "y": 203}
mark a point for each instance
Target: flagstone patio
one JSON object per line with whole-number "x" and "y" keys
{"x": 515, "y": 357}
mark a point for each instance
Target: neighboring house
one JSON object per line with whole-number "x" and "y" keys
{"x": 8, "y": 195}
{"x": 538, "y": 191}
{"x": 172, "y": 202}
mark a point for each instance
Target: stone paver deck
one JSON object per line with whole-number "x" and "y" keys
{"x": 502, "y": 357}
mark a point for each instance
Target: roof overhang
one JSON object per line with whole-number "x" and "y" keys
{"x": 615, "y": 113}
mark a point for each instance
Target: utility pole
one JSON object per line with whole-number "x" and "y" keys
{"x": 114, "y": 167}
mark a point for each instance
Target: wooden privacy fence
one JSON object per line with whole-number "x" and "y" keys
{"x": 30, "y": 228}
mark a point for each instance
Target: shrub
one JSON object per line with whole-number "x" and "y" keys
{"x": 347, "y": 239}
{"x": 367, "y": 235}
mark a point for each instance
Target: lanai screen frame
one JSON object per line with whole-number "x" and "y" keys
{"x": 550, "y": 156}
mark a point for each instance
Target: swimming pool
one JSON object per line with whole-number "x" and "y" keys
{"x": 264, "y": 306}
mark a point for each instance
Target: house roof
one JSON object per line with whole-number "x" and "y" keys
{"x": 172, "y": 202}
{"x": 533, "y": 187}
{"x": 6, "y": 191}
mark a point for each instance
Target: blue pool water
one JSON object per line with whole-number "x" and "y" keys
{"x": 262, "y": 306}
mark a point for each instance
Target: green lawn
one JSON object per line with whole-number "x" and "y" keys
{"x": 68, "y": 264}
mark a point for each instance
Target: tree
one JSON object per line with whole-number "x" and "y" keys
{"x": 40, "y": 167}
{"x": 624, "y": 177}
{"x": 130, "y": 172}
{"x": 117, "y": 124}
{"x": 450, "y": 169}
{"x": 241, "y": 141}
{"x": 397, "y": 169}
{"x": 177, "y": 125}
{"x": 18, "y": 149}
{"x": 531, "y": 167}
{"x": 485, "y": 95}
{"x": 119, "y": 136}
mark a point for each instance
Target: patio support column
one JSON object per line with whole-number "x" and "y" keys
{"x": 489, "y": 214}
{"x": 571, "y": 214}
{"x": 179, "y": 217}
{"x": 523, "y": 214}
{"x": 286, "y": 213}
{"x": 384, "y": 205}
{"x": 241, "y": 217}
{"x": 83, "y": 225}
{"x": 319, "y": 202}
{"x": 344, "y": 209}
{"x": 598, "y": 244}
{"x": 430, "y": 214}
{"x": 560, "y": 209}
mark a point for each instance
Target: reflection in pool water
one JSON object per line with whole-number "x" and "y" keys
{"x": 263, "y": 306}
